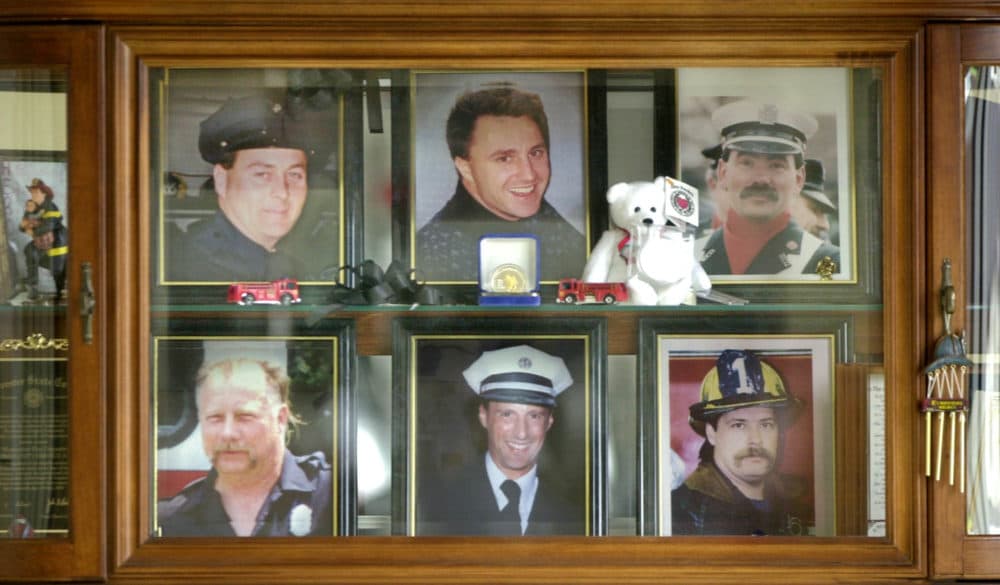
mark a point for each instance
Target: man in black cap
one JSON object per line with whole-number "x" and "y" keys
{"x": 812, "y": 208}
{"x": 256, "y": 486}
{"x": 504, "y": 494}
{"x": 260, "y": 155}
{"x": 498, "y": 139}
{"x": 761, "y": 169}
{"x": 737, "y": 488}
{"x": 713, "y": 206}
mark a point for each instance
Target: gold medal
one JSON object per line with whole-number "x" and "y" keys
{"x": 509, "y": 278}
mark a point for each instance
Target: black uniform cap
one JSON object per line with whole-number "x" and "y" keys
{"x": 43, "y": 228}
{"x": 713, "y": 154}
{"x": 813, "y": 188}
{"x": 257, "y": 122}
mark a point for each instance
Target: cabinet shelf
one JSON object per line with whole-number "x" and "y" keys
{"x": 375, "y": 322}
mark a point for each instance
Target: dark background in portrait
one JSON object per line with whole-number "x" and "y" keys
{"x": 455, "y": 344}
{"x": 181, "y": 185}
{"x": 449, "y": 435}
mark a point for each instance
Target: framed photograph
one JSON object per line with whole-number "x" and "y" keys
{"x": 826, "y": 120}
{"x": 34, "y": 223}
{"x": 237, "y": 407}
{"x": 249, "y": 172}
{"x": 496, "y": 152}
{"x": 738, "y": 429}
{"x": 493, "y": 405}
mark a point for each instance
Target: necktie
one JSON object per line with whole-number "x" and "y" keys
{"x": 511, "y": 513}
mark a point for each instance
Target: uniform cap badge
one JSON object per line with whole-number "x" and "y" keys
{"x": 768, "y": 114}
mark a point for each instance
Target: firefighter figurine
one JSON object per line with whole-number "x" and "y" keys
{"x": 49, "y": 245}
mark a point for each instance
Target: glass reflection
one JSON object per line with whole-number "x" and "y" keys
{"x": 34, "y": 392}
{"x": 982, "y": 148}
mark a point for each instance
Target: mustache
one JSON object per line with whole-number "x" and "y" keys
{"x": 230, "y": 447}
{"x": 759, "y": 191}
{"x": 755, "y": 452}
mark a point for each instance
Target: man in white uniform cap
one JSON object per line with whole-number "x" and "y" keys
{"x": 505, "y": 494}
{"x": 760, "y": 171}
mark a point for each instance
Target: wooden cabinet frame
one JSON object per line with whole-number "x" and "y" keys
{"x": 78, "y": 50}
{"x": 952, "y": 47}
{"x": 481, "y": 41}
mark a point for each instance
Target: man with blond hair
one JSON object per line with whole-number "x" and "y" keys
{"x": 256, "y": 486}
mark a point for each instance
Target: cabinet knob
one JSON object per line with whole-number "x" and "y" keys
{"x": 87, "y": 302}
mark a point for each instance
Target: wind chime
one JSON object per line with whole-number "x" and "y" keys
{"x": 946, "y": 393}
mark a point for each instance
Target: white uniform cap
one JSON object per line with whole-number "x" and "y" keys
{"x": 767, "y": 128}
{"x": 519, "y": 374}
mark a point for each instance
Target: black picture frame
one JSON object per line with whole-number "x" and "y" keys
{"x": 767, "y": 335}
{"x": 320, "y": 361}
{"x": 419, "y": 144}
{"x": 437, "y": 350}
{"x": 323, "y": 240}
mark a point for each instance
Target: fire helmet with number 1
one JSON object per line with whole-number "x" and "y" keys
{"x": 740, "y": 379}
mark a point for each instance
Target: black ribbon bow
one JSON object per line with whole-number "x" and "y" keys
{"x": 374, "y": 286}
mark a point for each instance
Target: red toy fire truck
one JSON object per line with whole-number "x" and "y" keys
{"x": 573, "y": 290}
{"x": 284, "y": 291}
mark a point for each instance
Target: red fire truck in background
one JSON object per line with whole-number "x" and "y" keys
{"x": 573, "y": 290}
{"x": 284, "y": 291}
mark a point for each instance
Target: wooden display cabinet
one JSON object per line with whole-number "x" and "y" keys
{"x": 884, "y": 309}
{"x": 885, "y": 318}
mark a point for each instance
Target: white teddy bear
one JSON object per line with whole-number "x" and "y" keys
{"x": 650, "y": 245}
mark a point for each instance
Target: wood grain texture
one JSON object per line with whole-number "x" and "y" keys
{"x": 952, "y": 48}
{"x": 920, "y": 226}
{"x": 476, "y": 40}
{"x": 78, "y": 51}
{"x": 568, "y": 11}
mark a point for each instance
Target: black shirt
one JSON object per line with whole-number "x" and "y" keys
{"x": 299, "y": 504}
{"x": 215, "y": 251}
{"x": 447, "y": 247}
{"x": 708, "y": 503}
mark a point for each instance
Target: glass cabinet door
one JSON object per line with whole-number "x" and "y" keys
{"x": 383, "y": 383}
{"x": 982, "y": 145}
{"x": 964, "y": 144}
{"x": 51, "y": 426}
